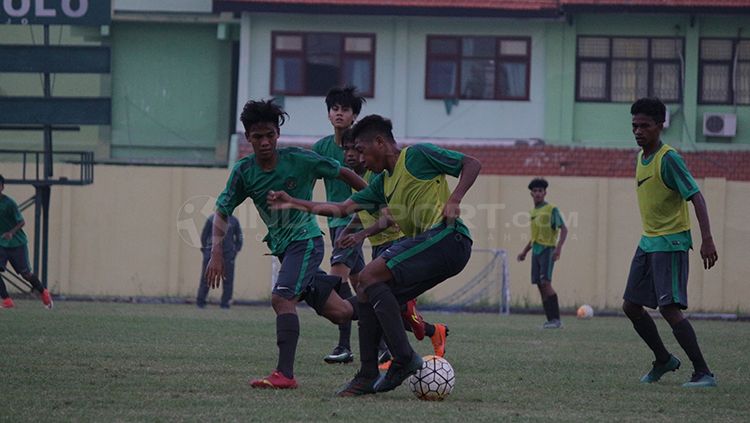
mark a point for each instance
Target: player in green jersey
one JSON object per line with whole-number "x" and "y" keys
{"x": 412, "y": 185}
{"x": 293, "y": 236}
{"x": 659, "y": 270}
{"x": 14, "y": 249}
{"x": 343, "y": 106}
{"x": 546, "y": 247}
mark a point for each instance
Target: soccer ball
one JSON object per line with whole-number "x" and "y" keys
{"x": 434, "y": 381}
{"x": 585, "y": 312}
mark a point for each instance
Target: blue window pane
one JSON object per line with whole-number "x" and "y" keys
{"x": 511, "y": 80}
{"x": 287, "y": 76}
{"x": 441, "y": 79}
{"x": 358, "y": 72}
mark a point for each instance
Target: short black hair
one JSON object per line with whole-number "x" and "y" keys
{"x": 262, "y": 111}
{"x": 346, "y": 137}
{"x": 651, "y": 107}
{"x": 538, "y": 183}
{"x": 371, "y": 126}
{"x": 345, "y": 97}
{"x": 2, "y": 180}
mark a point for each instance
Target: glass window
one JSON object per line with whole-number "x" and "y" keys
{"x": 623, "y": 69}
{"x": 478, "y": 68}
{"x": 724, "y": 71}
{"x": 309, "y": 64}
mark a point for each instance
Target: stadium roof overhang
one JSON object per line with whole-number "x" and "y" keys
{"x": 446, "y": 8}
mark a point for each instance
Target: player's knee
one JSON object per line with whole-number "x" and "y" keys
{"x": 633, "y": 311}
{"x": 282, "y": 305}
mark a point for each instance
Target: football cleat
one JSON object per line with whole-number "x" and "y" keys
{"x": 7, "y": 303}
{"x": 438, "y": 339}
{"x": 384, "y": 366}
{"x": 658, "y": 370}
{"x": 701, "y": 380}
{"x": 358, "y": 386}
{"x": 552, "y": 324}
{"x": 398, "y": 373}
{"x": 339, "y": 355}
{"x": 47, "y": 299}
{"x": 275, "y": 380}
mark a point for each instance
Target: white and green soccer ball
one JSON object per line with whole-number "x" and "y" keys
{"x": 434, "y": 381}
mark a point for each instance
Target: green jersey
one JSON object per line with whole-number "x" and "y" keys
{"x": 669, "y": 183}
{"x": 416, "y": 192}
{"x": 296, "y": 172}
{"x": 337, "y": 190}
{"x": 10, "y": 216}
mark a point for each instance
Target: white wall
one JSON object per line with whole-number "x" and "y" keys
{"x": 400, "y": 77}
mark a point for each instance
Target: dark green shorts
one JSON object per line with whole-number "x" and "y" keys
{"x": 658, "y": 279}
{"x": 542, "y": 265}
{"x": 299, "y": 265}
{"x": 420, "y": 263}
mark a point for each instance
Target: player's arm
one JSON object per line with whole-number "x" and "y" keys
{"x": 470, "y": 168}
{"x": 522, "y": 254}
{"x": 563, "y": 235}
{"x": 676, "y": 176}
{"x": 279, "y": 200}
{"x": 351, "y": 239}
{"x": 215, "y": 267}
{"x": 708, "y": 248}
{"x": 352, "y": 179}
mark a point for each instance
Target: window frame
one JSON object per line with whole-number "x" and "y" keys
{"x": 302, "y": 54}
{"x": 650, "y": 63}
{"x": 459, "y": 57}
{"x": 729, "y": 63}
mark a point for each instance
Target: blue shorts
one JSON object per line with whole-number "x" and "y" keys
{"x": 658, "y": 279}
{"x": 18, "y": 258}
{"x": 300, "y": 262}
{"x": 350, "y": 257}
{"x": 420, "y": 263}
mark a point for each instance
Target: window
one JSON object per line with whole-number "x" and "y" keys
{"x": 478, "y": 68}
{"x": 724, "y": 71}
{"x": 619, "y": 69}
{"x": 312, "y": 63}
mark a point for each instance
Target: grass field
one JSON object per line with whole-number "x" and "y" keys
{"x": 135, "y": 362}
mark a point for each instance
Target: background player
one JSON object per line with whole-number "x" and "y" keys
{"x": 546, "y": 224}
{"x": 343, "y": 106}
{"x": 14, "y": 249}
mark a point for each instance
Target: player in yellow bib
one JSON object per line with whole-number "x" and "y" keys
{"x": 436, "y": 246}
{"x": 659, "y": 270}
{"x": 546, "y": 225}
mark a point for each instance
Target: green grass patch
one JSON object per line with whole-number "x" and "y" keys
{"x": 149, "y": 362}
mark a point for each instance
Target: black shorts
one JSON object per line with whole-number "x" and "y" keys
{"x": 18, "y": 258}
{"x": 300, "y": 262}
{"x": 542, "y": 265}
{"x": 658, "y": 279}
{"x": 317, "y": 292}
{"x": 420, "y": 263}
{"x": 350, "y": 257}
{"x": 378, "y": 250}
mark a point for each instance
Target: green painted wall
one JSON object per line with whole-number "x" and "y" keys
{"x": 171, "y": 94}
{"x": 608, "y": 124}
